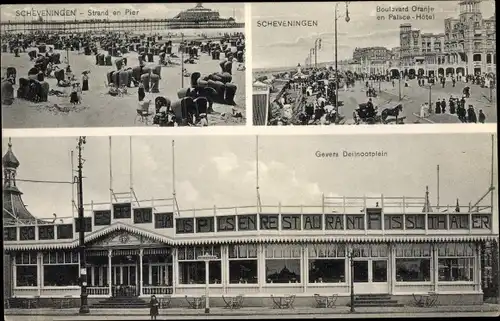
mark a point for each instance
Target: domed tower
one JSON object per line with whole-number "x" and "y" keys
{"x": 471, "y": 20}
{"x": 14, "y": 208}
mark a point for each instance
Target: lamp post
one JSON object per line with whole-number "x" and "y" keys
{"x": 84, "y": 308}
{"x": 347, "y": 19}
{"x": 207, "y": 258}
{"x": 399, "y": 81}
{"x": 311, "y": 53}
{"x": 317, "y": 45}
{"x": 430, "y": 98}
{"x": 350, "y": 255}
{"x": 182, "y": 60}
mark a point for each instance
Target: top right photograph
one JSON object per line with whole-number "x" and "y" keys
{"x": 380, "y": 62}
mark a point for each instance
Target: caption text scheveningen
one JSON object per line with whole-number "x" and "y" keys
{"x": 351, "y": 154}
{"x": 75, "y": 13}
{"x": 287, "y": 23}
{"x": 398, "y": 13}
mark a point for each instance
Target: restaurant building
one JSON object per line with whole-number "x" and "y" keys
{"x": 399, "y": 246}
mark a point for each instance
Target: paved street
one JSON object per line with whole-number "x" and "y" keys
{"x": 255, "y": 313}
{"x": 413, "y": 96}
{"x": 256, "y": 316}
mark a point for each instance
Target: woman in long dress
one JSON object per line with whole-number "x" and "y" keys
{"x": 153, "y": 307}
{"x": 85, "y": 81}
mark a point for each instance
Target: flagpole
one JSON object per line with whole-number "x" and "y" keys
{"x": 72, "y": 186}
{"x": 492, "y": 187}
{"x": 257, "y": 172}
{"x": 131, "y": 175}
{"x": 259, "y": 205}
{"x": 173, "y": 168}
{"x": 437, "y": 207}
{"x": 110, "y": 172}
{"x": 174, "y": 193}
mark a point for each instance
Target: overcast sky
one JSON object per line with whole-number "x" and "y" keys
{"x": 287, "y": 46}
{"x": 220, "y": 170}
{"x": 146, "y": 10}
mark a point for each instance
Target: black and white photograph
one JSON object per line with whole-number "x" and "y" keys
{"x": 374, "y": 62}
{"x": 123, "y": 65}
{"x": 127, "y": 228}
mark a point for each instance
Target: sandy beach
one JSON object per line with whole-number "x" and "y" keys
{"x": 98, "y": 108}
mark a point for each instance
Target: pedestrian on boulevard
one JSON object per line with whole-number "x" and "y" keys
{"x": 482, "y": 116}
{"x": 471, "y": 115}
{"x": 452, "y": 105}
{"x": 437, "y": 110}
{"x": 443, "y": 106}
{"x": 153, "y": 307}
{"x": 453, "y": 81}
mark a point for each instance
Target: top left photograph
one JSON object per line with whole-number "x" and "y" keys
{"x": 123, "y": 65}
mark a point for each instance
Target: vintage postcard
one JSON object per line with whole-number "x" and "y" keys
{"x": 108, "y": 217}
{"x": 264, "y": 225}
{"x": 105, "y": 65}
{"x": 374, "y": 62}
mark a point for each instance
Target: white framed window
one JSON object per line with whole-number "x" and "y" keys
{"x": 326, "y": 263}
{"x": 283, "y": 263}
{"x": 97, "y": 275}
{"x": 26, "y": 269}
{"x": 413, "y": 262}
{"x": 192, "y": 269}
{"x": 456, "y": 262}
{"x": 243, "y": 264}
{"x": 61, "y": 268}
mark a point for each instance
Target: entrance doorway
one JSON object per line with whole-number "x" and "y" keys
{"x": 370, "y": 276}
{"x": 124, "y": 280}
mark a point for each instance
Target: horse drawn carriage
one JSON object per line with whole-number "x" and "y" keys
{"x": 389, "y": 114}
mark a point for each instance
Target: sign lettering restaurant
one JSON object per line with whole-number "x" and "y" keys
{"x": 397, "y": 248}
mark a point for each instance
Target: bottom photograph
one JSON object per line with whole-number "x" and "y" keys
{"x": 269, "y": 222}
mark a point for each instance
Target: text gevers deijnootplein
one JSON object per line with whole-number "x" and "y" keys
{"x": 351, "y": 154}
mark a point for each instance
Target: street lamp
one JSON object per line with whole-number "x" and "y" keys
{"x": 84, "y": 308}
{"x": 351, "y": 256}
{"x": 399, "y": 81}
{"x": 347, "y": 19}
{"x": 207, "y": 258}
{"x": 312, "y": 52}
{"x": 182, "y": 60}
{"x": 430, "y": 94}
{"x": 317, "y": 45}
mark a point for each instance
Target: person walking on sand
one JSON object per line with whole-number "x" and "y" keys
{"x": 85, "y": 81}
{"x": 141, "y": 92}
{"x": 153, "y": 307}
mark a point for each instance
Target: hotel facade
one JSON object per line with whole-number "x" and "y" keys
{"x": 399, "y": 246}
{"x": 466, "y": 47}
